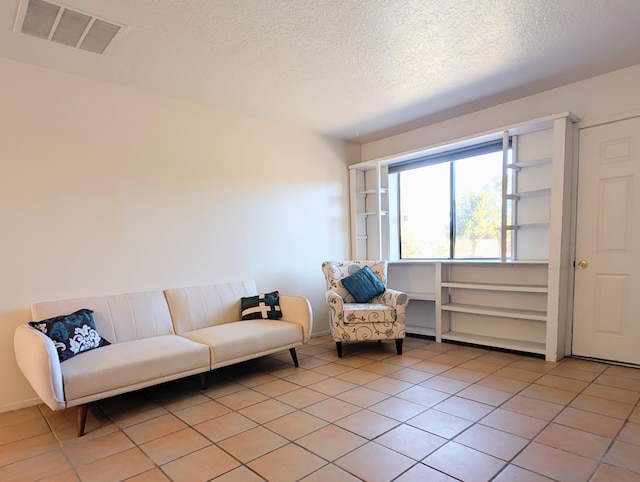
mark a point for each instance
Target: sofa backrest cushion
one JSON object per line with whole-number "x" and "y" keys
{"x": 118, "y": 318}
{"x": 203, "y": 306}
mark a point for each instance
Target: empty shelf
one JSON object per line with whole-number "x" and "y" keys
{"x": 495, "y": 287}
{"x": 506, "y": 343}
{"x": 495, "y": 311}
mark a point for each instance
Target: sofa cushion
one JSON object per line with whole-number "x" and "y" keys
{"x": 242, "y": 340}
{"x": 147, "y": 361}
{"x": 363, "y": 285}
{"x": 72, "y": 334}
{"x": 263, "y": 306}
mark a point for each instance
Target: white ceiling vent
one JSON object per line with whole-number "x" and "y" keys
{"x": 63, "y": 25}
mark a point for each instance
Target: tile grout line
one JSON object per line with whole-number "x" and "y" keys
{"x": 276, "y": 364}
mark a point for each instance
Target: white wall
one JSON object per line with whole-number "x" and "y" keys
{"x": 109, "y": 190}
{"x": 599, "y": 98}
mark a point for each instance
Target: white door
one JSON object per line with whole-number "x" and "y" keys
{"x": 607, "y": 277}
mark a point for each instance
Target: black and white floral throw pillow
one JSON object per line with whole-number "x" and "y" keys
{"x": 72, "y": 334}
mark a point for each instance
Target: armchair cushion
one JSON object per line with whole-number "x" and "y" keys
{"x": 71, "y": 334}
{"x": 368, "y": 313}
{"x": 363, "y": 285}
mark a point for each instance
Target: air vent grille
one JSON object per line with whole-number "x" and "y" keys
{"x": 63, "y": 25}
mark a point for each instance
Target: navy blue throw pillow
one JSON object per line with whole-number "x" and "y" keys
{"x": 262, "y": 306}
{"x": 71, "y": 334}
{"x": 363, "y": 285}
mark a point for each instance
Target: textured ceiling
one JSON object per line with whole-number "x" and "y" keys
{"x": 355, "y": 69}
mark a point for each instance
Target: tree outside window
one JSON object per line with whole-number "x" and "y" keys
{"x": 452, "y": 209}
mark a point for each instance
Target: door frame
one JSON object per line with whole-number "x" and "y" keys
{"x": 597, "y": 122}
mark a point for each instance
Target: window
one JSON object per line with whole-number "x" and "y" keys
{"x": 450, "y": 205}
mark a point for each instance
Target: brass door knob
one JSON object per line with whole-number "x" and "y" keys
{"x": 582, "y": 264}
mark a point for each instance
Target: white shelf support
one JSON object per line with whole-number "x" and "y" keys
{"x": 514, "y": 189}
{"x": 353, "y": 202}
{"x": 442, "y": 297}
{"x": 379, "y": 207}
{"x": 503, "y": 225}
{"x": 560, "y": 300}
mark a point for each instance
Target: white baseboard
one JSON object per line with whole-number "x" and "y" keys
{"x": 21, "y": 404}
{"x": 320, "y": 333}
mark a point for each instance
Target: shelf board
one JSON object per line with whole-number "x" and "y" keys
{"x": 420, "y": 330}
{"x": 506, "y": 343}
{"x": 527, "y": 194}
{"x": 421, "y": 296}
{"x": 513, "y": 227}
{"x": 516, "y": 166}
{"x": 496, "y": 311}
{"x": 495, "y": 287}
{"x": 382, "y": 190}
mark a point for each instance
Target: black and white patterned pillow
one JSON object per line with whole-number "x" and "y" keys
{"x": 262, "y": 306}
{"x": 72, "y": 334}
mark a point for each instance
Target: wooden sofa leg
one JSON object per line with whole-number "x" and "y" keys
{"x": 82, "y": 419}
{"x": 339, "y": 347}
{"x": 294, "y": 355}
{"x": 399, "y": 345}
{"x": 203, "y": 380}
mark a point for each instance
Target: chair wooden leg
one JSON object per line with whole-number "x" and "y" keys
{"x": 82, "y": 419}
{"x": 339, "y": 347}
{"x": 294, "y": 355}
{"x": 203, "y": 380}
{"x": 399, "y": 345}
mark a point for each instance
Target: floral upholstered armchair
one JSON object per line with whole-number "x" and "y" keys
{"x": 378, "y": 318}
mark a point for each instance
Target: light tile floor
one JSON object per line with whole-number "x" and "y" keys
{"x": 439, "y": 412}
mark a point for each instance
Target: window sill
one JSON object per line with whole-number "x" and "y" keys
{"x": 463, "y": 261}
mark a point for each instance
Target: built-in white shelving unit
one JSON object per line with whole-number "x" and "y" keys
{"x": 495, "y": 304}
{"x": 521, "y": 301}
{"x": 527, "y": 203}
{"x": 369, "y": 205}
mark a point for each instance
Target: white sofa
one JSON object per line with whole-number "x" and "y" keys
{"x": 155, "y": 337}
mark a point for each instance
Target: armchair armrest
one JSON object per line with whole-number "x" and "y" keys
{"x": 335, "y": 300}
{"x": 38, "y": 359}
{"x": 297, "y": 309}
{"x": 397, "y": 299}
